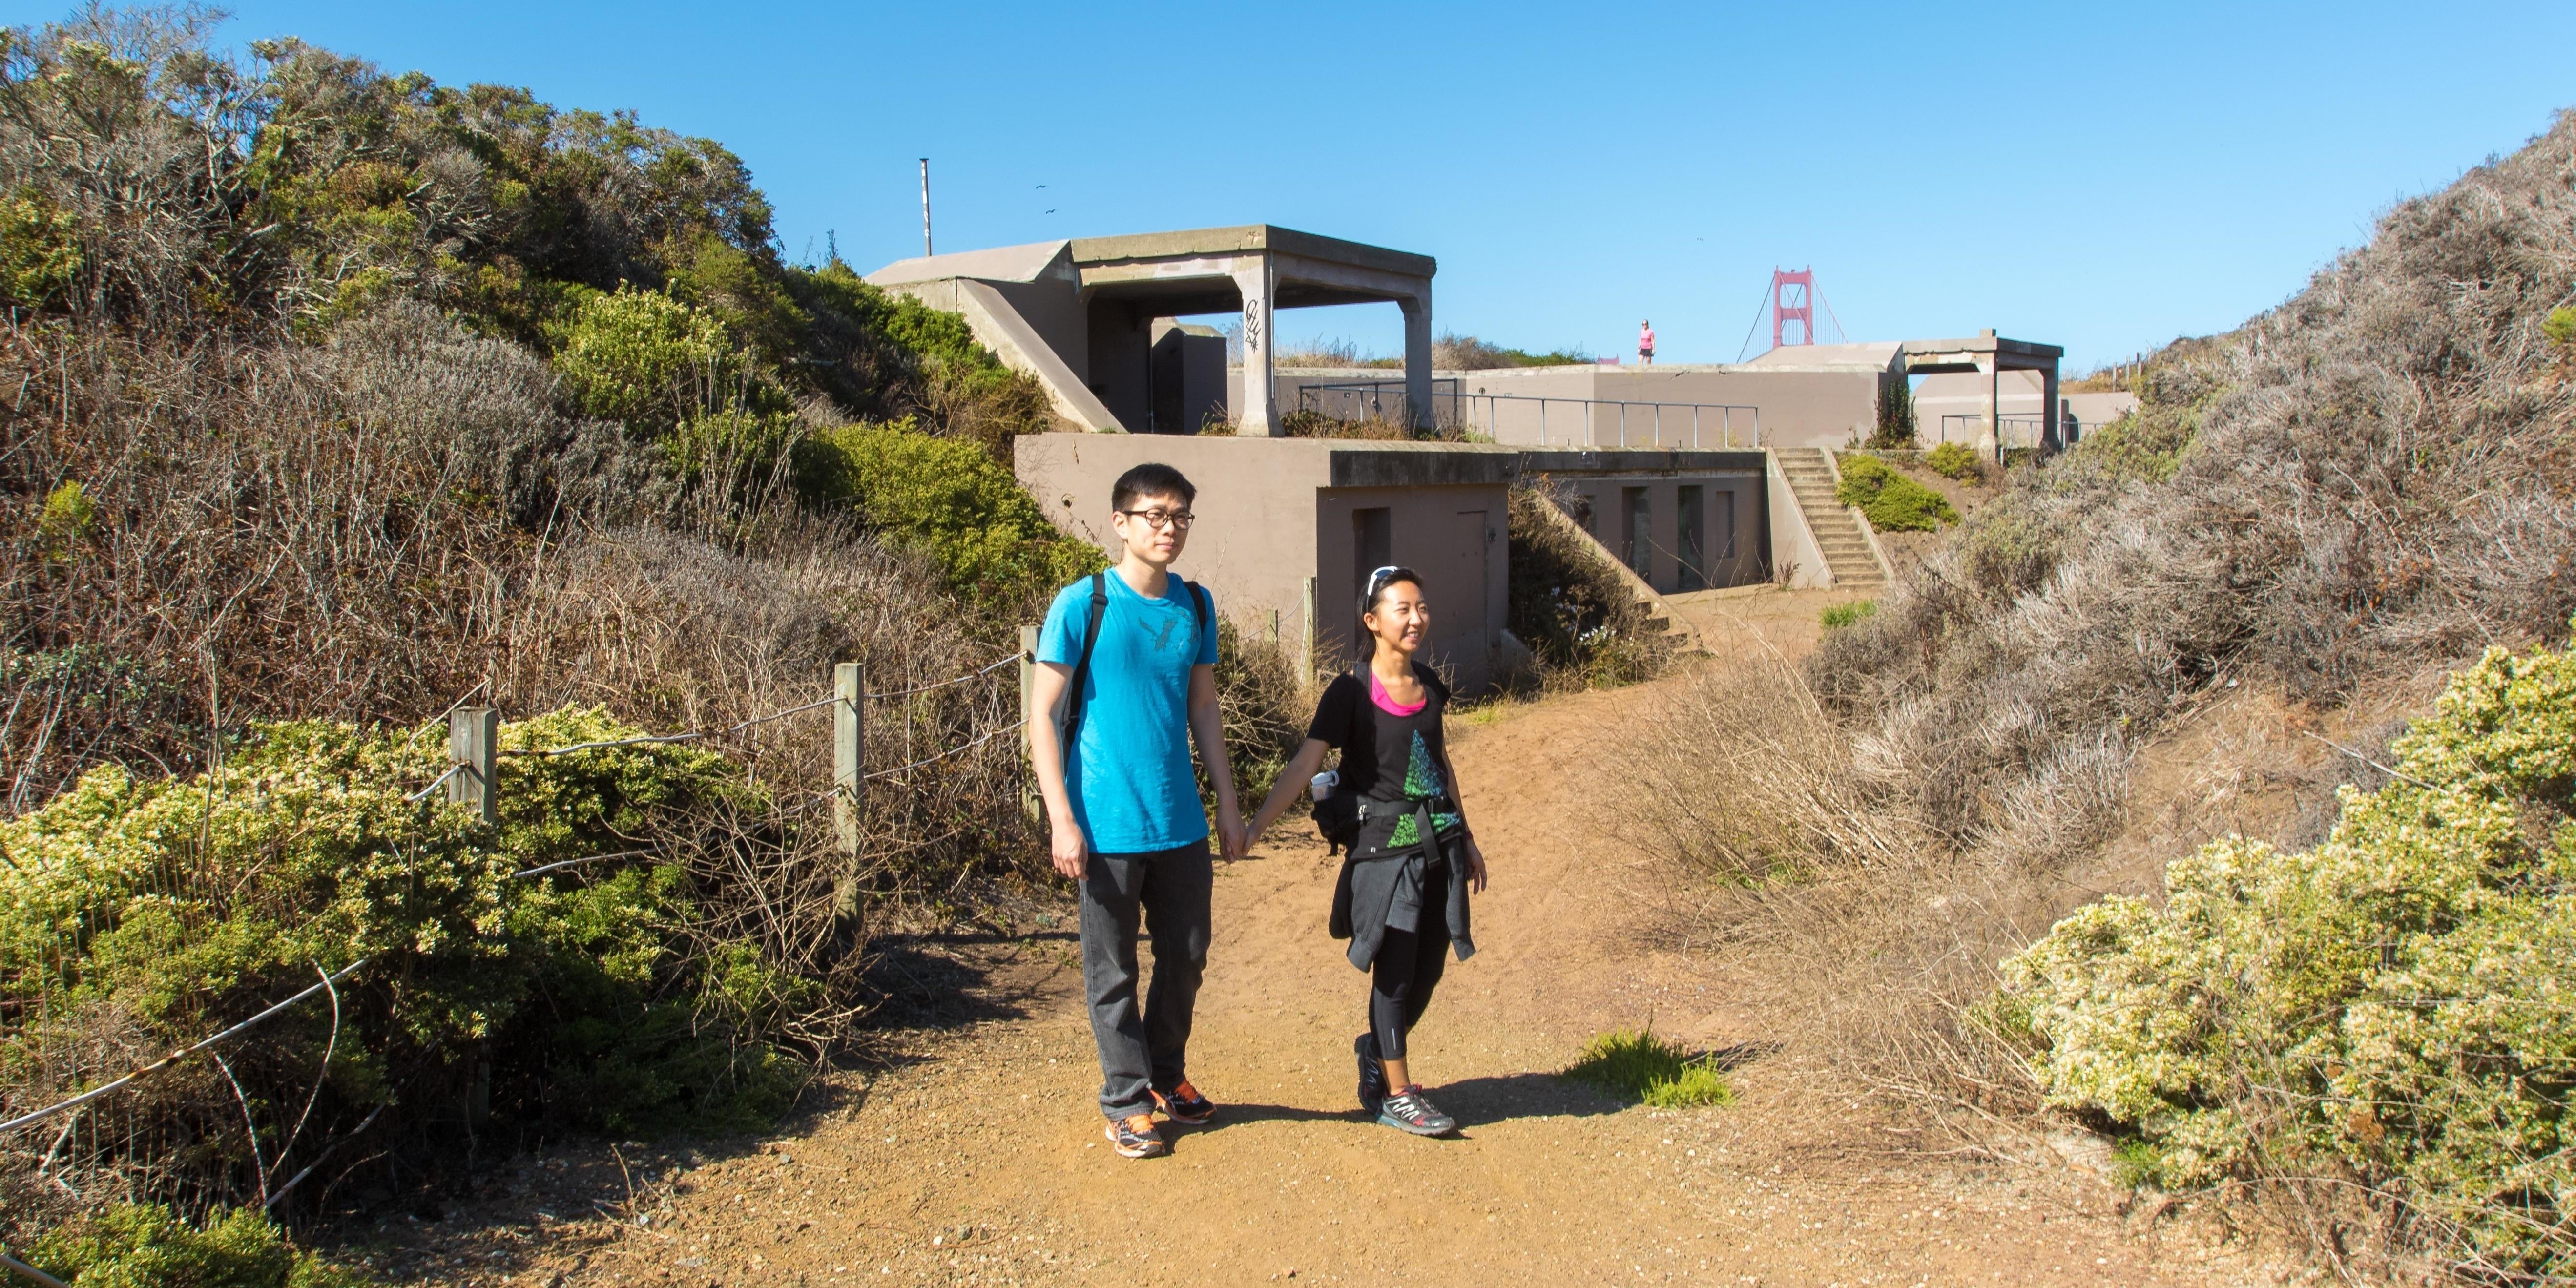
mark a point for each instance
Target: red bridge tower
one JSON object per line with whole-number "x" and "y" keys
{"x": 1793, "y": 299}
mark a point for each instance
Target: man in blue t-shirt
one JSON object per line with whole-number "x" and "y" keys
{"x": 1122, "y": 803}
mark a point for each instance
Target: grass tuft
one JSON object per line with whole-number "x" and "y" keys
{"x": 1837, "y": 616}
{"x": 1634, "y": 1064}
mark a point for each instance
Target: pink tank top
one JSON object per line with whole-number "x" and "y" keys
{"x": 1377, "y": 694}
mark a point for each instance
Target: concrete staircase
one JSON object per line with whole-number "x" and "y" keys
{"x": 1839, "y": 529}
{"x": 1662, "y": 621}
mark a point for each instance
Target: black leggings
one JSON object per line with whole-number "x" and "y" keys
{"x": 1408, "y": 966}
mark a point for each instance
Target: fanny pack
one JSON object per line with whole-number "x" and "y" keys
{"x": 1365, "y": 810}
{"x": 1337, "y": 819}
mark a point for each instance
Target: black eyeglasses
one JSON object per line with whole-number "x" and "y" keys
{"x": 1179, "y": 520}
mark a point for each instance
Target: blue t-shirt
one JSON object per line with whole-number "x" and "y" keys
{"x": 1128, "y": 771}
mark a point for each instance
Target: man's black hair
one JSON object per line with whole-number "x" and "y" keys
{"x": 1150, "y": 479}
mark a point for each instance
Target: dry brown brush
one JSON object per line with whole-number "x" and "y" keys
{"x": 2373, "y": 481}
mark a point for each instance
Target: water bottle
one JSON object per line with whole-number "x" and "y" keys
{"x": 1324, "y": 783}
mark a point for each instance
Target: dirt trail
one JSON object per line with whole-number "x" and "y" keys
{"x": 981, "y": 1159}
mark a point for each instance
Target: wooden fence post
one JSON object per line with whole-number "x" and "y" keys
{"x": 473, "y": 736}
{"x": 1314, "y": 616}
{"x": 849, "y": 785}
{"x": 849, "y": 752}
{"x": 1029, "y": 804}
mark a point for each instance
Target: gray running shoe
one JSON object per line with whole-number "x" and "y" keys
{"x": 1372, "y": 1072}
{"x": 1406, "y": 1110}
{"x": 1134, "y": 1137}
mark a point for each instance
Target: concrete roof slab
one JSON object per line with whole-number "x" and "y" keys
{"x": 1204, "y": 243}
{"x": 997, "y": 264}
{"x": 1879, "y": 354}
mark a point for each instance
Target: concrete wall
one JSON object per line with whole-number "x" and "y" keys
{"x": 1120, "y": 350}
{"x": 1052, "y": 306}
{"x": 1454, "y": 536}
{"x": 1951, "y": 394}
{"x": 1188, "y": 377}
{"x": 1793, "y": 408}
{"x": 2094, "y": 410}
{"x": 1734, "y": 535}
{"x": 1274, "y": 512}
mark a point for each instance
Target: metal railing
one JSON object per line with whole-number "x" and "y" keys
{"x": 1483, "y": 413}
{"x": 2026, "y": 430}
{"x": 1623, "y": 417}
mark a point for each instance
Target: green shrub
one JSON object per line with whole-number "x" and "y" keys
{"x": 39, "y": 250}
{"x": 176, "y": 905}
{"x": 68, "y": 516}
{"x": 132, "y": 1245}
{"x": 2143, "y": 446}
{"x": 2397, "y": 1005}
{"x": 1837, "y": 616}
{"x": 1634, "y": 1064}
{"x": 733, "y": 446}
{"x": 2559, "y": 328}
{"x": 948, "y": 499}
{"x": 646, "y": 359}
{"x": 2008, "y": 551}
{"x": 1893, "y": 502}
{"x": 742, "y": 289}
{"x": 1955, "y": 460}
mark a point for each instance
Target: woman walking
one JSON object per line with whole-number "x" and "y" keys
{"x": 1401, "y": 898}
{"x": 1645, "y": 342}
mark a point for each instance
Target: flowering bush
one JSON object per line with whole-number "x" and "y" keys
{"x": 2397, "y": 1005}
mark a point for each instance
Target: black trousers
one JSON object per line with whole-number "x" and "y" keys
{"x": 1408, "y": 966}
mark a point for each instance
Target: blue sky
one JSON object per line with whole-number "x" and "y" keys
{"x": 2101, "y": 177}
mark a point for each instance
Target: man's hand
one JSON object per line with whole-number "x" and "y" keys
{"x": 1067, "y": 848}
{"x": 1475, "y": 867}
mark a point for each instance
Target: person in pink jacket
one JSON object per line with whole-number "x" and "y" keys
{"x": 1645, "y": 343}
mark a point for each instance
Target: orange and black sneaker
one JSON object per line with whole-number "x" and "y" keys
{"x": 1184, "y": 1104}
{"x": 1134, "y": 1137}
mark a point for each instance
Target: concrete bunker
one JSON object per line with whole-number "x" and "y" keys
{"x": 1293, "y": 525}
{"x": 1092, "y": 317}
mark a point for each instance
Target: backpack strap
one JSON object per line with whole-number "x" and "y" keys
{"x": 1198, "y": 608}
{"x": 1082, "y": 665}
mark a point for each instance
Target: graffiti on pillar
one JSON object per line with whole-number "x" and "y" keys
{"x": 1252, "y": 324}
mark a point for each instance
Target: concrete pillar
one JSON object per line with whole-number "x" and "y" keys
{"x": 1990, "y": 443}
{"x": 1417, "y": 359}
{"x": 1258, "y": 414}
{"x": 2053, "y": 425}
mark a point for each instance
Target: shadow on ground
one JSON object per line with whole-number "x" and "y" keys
{"x": 947, "y": 981}
{"x": 1476, "y": 1102}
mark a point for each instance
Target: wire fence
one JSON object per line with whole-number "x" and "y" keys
{"x": 95, "y": 1075}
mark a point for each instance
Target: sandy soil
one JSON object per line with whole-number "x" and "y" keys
{"x": 977, "y": 1157}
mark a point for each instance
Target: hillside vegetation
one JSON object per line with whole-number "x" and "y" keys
{"x": 2372, "y": 483}
{"x": 2393, "y": 1010}
{"x": 337, "y": 398}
